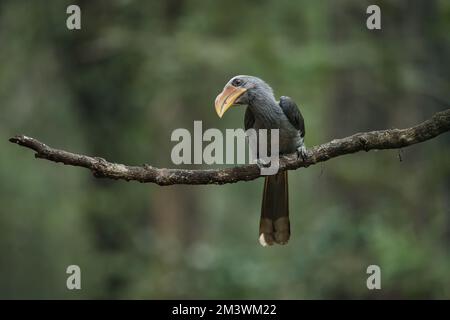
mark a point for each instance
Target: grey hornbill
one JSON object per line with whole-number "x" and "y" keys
{"x": 264, "y": 112}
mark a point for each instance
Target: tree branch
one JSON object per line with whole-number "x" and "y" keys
{"x": 383, "y": 139}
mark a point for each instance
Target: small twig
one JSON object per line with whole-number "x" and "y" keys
{"x": 400, "y": 155}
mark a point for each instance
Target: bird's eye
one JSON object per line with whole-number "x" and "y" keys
{"x": 237, "y": 82}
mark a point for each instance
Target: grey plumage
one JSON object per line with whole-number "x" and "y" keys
{"x": 264, "y": 112}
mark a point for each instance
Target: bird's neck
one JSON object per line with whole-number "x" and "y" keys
{"x": 265, "y": 109}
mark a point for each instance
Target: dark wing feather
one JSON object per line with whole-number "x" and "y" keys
{"x": 293, "y": 114}
{"x": 249, "y": 119}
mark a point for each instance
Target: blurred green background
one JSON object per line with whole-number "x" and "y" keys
{"x": 139, "y": 69}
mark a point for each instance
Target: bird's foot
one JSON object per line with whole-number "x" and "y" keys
{"x": 302, "y": 153}
{"x": 263, "y": 163}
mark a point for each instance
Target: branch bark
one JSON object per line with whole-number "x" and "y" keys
{"x": 383, "y": 139}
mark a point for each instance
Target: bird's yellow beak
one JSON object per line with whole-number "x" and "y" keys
{"x": 226, "y": 98}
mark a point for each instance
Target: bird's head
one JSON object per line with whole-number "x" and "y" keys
{"x": 242, "y": 90}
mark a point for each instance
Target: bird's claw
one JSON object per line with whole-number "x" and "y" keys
{"x": 302, "y": 153}
{"x": 263, "y": 163}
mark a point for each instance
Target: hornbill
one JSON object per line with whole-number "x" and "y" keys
{"x": 264, "y": 112}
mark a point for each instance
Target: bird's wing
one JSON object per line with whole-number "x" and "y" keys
{"x": 249, "y": 119}
{"x": 293, "y": 114}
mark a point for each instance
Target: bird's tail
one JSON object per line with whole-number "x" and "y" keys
{"x": 274, "y": 224}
